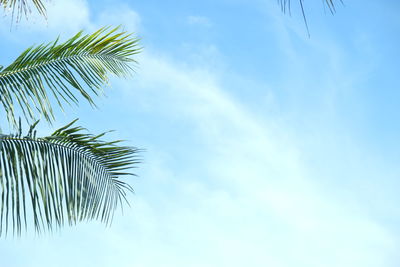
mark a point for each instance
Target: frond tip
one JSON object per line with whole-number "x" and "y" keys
{"x": 23, "y": 7}
{"x": 286, "y": 7}
{"x": 67, "y": 177}
{"x": 78, "y": 66}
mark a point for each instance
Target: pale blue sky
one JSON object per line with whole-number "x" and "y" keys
{"x": 264, "y": 147}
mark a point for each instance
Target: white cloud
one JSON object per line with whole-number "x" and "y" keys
{"x": 258, "y": 203}
{"x": 65, "y": 18}
{"x": 68, "y": 16}
{"x": 120, "y": 15}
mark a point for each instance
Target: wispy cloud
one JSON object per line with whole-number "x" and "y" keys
{"x": 258, "y": 200}
{"x": 128, "y": 19}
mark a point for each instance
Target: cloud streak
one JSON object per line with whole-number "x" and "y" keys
{"x": 259, "y": 200}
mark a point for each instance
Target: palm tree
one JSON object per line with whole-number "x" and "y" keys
{"x": 70, "y": 175}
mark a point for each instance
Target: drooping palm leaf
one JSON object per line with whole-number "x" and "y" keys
{"x": 67, "y": 177}
{"x": 23, "y": 7}
{"x": 286, "y": 7}
{"x": 79, "y": 66}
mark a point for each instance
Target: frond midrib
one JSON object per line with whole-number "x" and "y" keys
{"x": 100, "y": 56}
{"x": 74, "y": 147}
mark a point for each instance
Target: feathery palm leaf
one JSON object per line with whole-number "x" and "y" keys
{"x": 65, "y": 69}
{"x": 22, "y": 7}
{"x": 69, "y": 176}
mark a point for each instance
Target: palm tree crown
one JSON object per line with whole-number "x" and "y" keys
{"x": 70, "y": 175}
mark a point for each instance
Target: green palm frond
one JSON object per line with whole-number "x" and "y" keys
{"x": 23, "y": 7}
{"x": 67, "y": 177}
{"x": 80, "y": 65}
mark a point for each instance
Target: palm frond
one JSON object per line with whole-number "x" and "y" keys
{"x": 80, "y": 65}
{"x": 286, "y": 8}
{"x": 67, "y": 177}
{"x": 286, "y": 5}
{"x": 23, "y": 7}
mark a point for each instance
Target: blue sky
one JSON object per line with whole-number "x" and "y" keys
{"x": 263, "y": 147}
